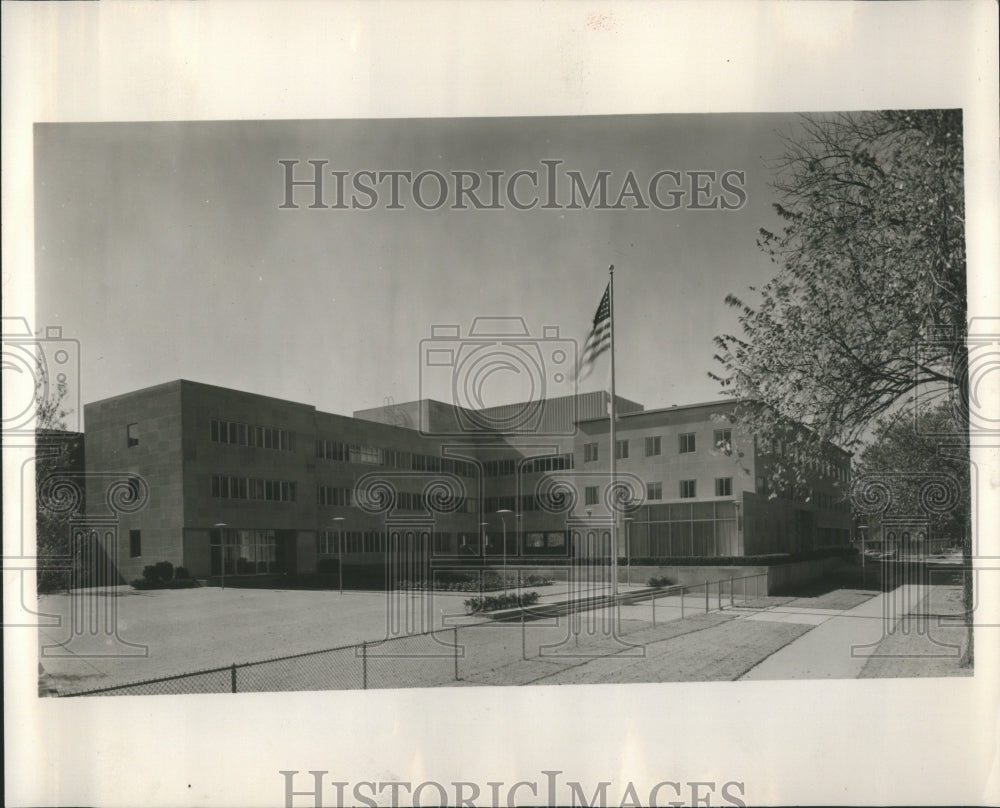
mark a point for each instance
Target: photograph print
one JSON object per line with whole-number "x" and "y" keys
{"x": 445, "y": 402}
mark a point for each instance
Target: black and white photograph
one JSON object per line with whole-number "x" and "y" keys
{"x": 404, "y": 414}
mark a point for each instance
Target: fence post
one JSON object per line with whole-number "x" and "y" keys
{"x": 731, "y": 592}
{"x": 364, "y": 665}
{"x": 682, "y": 603}
{"x": 454, "y": 631}
{"x": 756, "y": 586}
{"x": 654, "y": 607}
{"x": 706, "y": 597}
{"x": 232, "y": 676}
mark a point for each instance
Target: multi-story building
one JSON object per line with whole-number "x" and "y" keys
{"x": 245, "y": 484}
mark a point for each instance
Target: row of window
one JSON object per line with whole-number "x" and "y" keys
{"x": 528, "y": 503}
{"x": 688, "y": 489}
{"x": 653, "y": 445}
{"x": 331, "y": 542}
{"x": 509, "y": 466}
{"x": 258, "y": 437}
{"x": 823, "y": 466}
{"x": 820, "y": 498}
{"x": 334, "y": 542}
{"x": 332, "y": 496}
{"x": 229, "y": 487}
{"x": 233, "y": 487}
{"x": 393, "y": 458}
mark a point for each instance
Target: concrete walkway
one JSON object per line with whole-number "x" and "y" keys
{"x": 840, "y": 642}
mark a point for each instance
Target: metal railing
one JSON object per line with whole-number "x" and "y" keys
{"x": 735, "y": 591}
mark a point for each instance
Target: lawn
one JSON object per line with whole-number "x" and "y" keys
{"x": 927, "y": 642}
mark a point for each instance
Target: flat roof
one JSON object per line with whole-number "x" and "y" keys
{"x": 671, "y": 408}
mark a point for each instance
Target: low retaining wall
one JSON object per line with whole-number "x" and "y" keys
{"x": 771, "y": 579}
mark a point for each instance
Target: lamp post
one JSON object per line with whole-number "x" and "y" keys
{"x": 222, "y": 550}
{"x": 736, "y": 505}
{"x": 503, "y": 522}
{"x": 628, "y": 553}
{"x": 340, "y": 553}
{"x": 484, "y": 539}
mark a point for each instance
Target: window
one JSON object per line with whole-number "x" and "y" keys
{"x": 723, "y": 486}
{"x": 259, "y": 437}
{"x": 723, "y": 440}
{"x": 685, "y": 442}
{"x": 365, "y": 454}
{"x": 654, "y": 490}
{"x": 590, "y": 495}
{"x": 589, "y": 452}
{"x": 132, "y": 435}
{"x": 688, "y": 489}
{"x": 134, "y": 543}
{"x": 652, "y": 446}
{"x": 621, "y": 449}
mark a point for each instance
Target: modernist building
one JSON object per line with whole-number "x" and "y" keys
{"x": 245, "y": 484}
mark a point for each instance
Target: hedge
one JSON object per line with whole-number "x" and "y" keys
{"x": 492, "y": 603}
{"x": 767, "y": 559}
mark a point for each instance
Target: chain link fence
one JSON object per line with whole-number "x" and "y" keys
{"x": 438, "y": 657}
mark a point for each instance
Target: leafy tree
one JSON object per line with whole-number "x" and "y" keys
{"x": 58, "y": 451}
{"x": 905, "y": 444}
{"x": 867, "y": 313}
{"x": 869, "y": 302}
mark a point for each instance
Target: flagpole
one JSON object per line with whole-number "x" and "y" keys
{"x": 614, "y": 447}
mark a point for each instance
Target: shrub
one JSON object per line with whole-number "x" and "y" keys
{"x": 492, "y": 603}
{"x": 765, "y": 559}
{"x": 162, "y": 575}
{"x": 154, "y": 573}
{"x": 658, "y": 581}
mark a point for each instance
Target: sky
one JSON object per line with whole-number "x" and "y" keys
{"x": 163, "y": 249}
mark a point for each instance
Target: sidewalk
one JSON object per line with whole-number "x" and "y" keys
{"x": 840, "y": 643}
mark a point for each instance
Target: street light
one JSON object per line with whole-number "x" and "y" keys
{"x": 628, "y": 554}
{"x": 485, "y": 539}
{"x": 862, "y": 530}
{"x": 502, "y": 511}
{"x": 340, "y": 553}
{"x": 736, "y": 506}
{"x": 222, "y": 549}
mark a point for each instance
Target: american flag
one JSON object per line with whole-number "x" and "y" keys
{"x": 599, "y": 338}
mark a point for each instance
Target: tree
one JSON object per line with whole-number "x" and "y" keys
{"x": 58, "y": 452}
{"x": 911, "y": 445}
{"x": 868, "y": 307}
{"x": 866, "y": 317}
